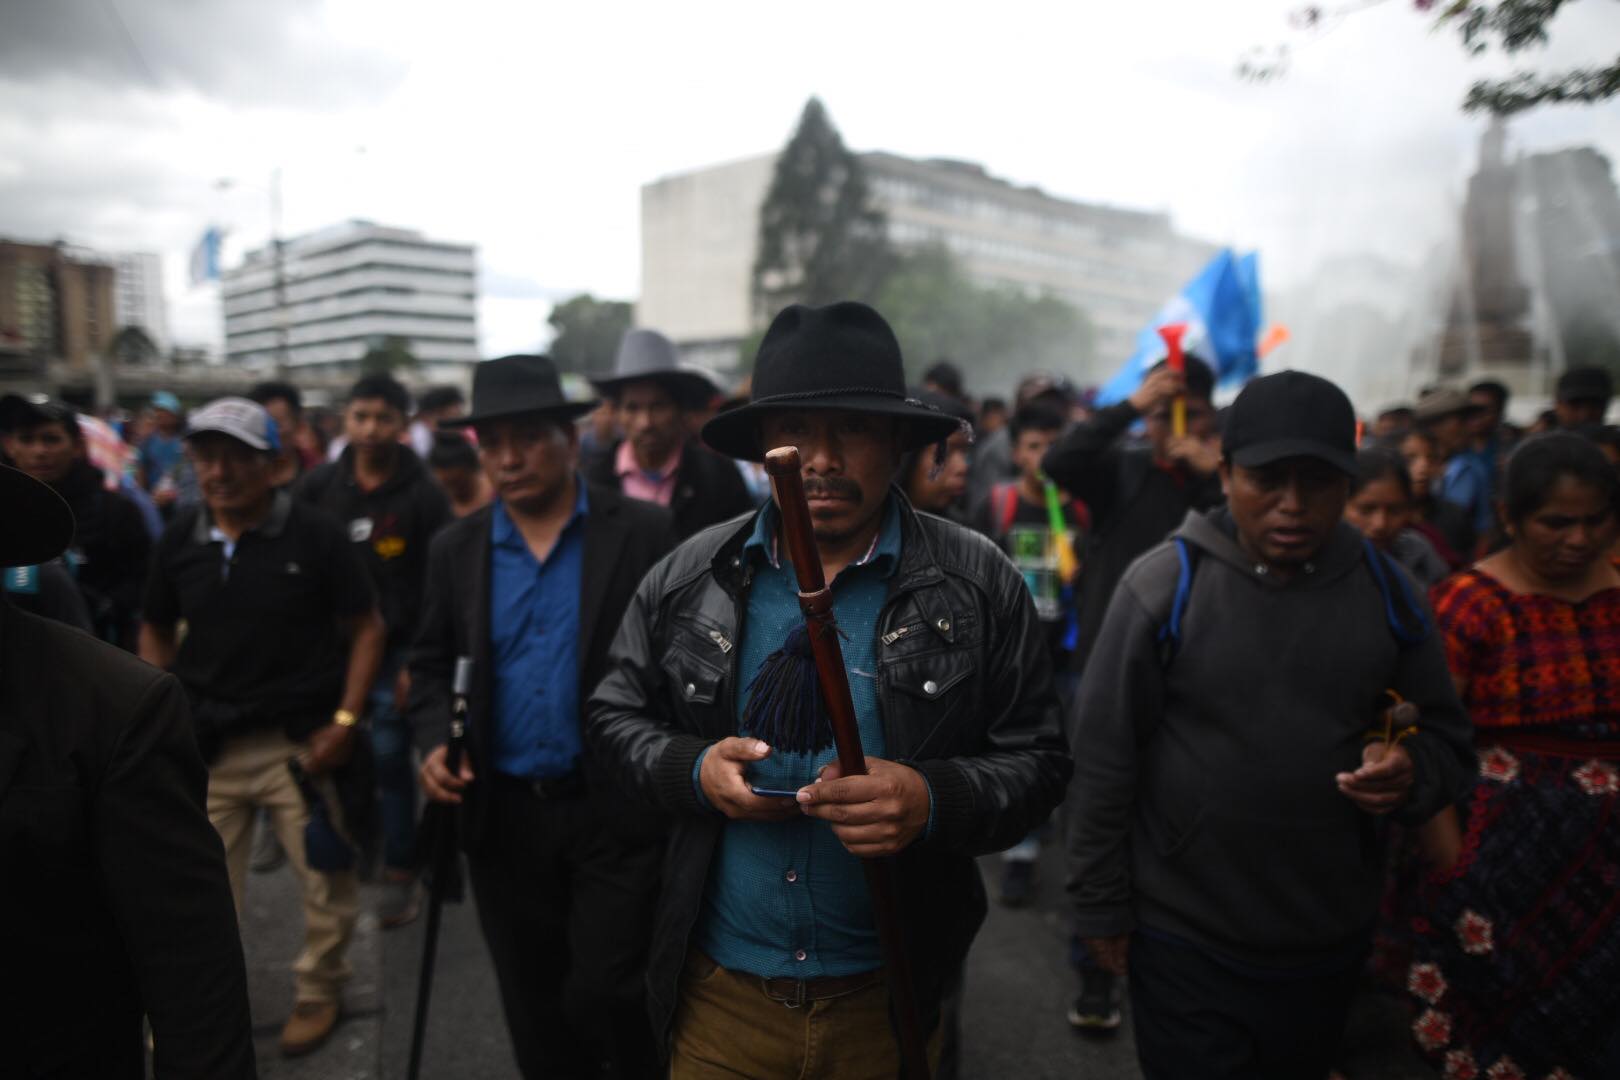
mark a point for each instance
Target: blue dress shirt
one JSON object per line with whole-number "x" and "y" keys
{"x": 786, "y": 899}
{"x": 534, "y": 639}
{"x": 1467, "y": 483}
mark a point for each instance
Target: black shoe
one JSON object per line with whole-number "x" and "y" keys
{"x": 1017, "y": 882}
{"x": 1096, "y": 1010}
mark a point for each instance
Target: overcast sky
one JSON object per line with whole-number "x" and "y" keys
{"x": 528, "y": 129}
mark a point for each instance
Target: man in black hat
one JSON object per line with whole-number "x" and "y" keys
{"x": 389, "y": 503}
{"x": 1233, "y": 773}
{"x": 281, "y": 649}
{"x": 657, "y": 459}
{"x": 1583, "y": 397}
{"x": 532, "y": 588}
{"x": 110, "y": 546}
{"x": 116, "y": 902}
{"x": 763, "y": 907}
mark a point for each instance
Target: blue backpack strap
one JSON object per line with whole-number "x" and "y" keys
{"x": 1384, "y": 573}
{"x": 1169, "y": 635}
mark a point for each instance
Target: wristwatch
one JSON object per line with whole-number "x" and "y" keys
{"x": 345, "y": 718}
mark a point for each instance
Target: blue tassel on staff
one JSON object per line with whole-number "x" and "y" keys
{"x": 785, "y": 707}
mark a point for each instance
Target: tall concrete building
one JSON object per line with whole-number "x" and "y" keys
{"x": 698, "y": 237}
{"x": 56, "y": 304}
{"x": 138, "y": 294}
{"x": 336, "y": 292}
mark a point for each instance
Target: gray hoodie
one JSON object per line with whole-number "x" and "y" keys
{"x": 1203, "y": 803}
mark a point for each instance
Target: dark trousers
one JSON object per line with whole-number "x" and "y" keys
{"x": 1197, "y": 1019}
{"x": 566, "y": 910}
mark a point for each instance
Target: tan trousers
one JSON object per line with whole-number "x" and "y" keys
{"x": 251, "y": 772}
{"x": 726, "y": 1026}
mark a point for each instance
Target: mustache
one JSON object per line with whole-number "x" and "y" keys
{"x": 831, "y": 487}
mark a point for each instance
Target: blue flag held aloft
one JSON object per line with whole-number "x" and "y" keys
{"x": 1221, "y": 310}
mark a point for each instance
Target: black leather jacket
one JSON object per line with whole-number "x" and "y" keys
{"x": 964, "y": 684}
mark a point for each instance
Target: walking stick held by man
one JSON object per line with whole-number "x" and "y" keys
{"x": 815, "y": 601}
{"x": 443, "y": 857}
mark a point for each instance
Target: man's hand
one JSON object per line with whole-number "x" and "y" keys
{"x": 329, "y": 747}
{"x": 438, "y": 783}
{"x": 1383, "y": 781}
{"x": 1157, "y": 389}
{"x": 724, "y": 781}
{"x": 872, "y": 815}
{"x": 1112, "y": 954}
{"x": 1202, "y": 456}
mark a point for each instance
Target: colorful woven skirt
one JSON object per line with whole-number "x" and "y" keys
{"x": 1515, "y": 961}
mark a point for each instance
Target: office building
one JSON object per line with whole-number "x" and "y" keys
{"x": 333, "y": 294}
{"x": 56, "y": 304}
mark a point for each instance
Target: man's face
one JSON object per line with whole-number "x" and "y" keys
{"x": 44, "y": 451}
{"x": 1286, "y": 510}
{"x": 285, "y": 416}
{"x": 373, "y": 426}
{"x": 936, "y": 492}
{"x": 165, "y": 421}
{"x": 458, "y": 480}
{"x": 1200, "y": 423}
{"x": 846, "y": 459}
{"x": 235, "y": 478}
{"x": 1487, "y": 417}
{"x": 528, "y": 460}
{"x": 1449, "y": 433}
{"x": 651, "y": 420}
{"x": 1030, "y": 448}
{"x": 1581, "y": 412}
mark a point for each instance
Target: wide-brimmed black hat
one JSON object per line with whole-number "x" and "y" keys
{"x": 38, "y": 526}
{"x": 842, "y": 356}
{"x": 517, "y": 385}
{"x": 647, "y": 355}
{"x": 1291, "y": 414}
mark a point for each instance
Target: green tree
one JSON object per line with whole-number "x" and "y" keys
{"x": 390, "y": 356}
{"x": 821, "y": 238}
{"x": 132, "y": 346}
{"x": 1516, "y": 25}
{"x": 996, "y": 334}
{"x": 1591, "y": 340}
{"x": 587, "y": 333}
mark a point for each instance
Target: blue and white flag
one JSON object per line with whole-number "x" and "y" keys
{"x": 1221, "y": 310}
{"x": 205, "y": 256}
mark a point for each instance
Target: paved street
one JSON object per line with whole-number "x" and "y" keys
{"x": 1013, "y": 1025}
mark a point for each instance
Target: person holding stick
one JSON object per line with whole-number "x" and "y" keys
{"x": 776, "y": 951}
{"x": 531, "y": 587}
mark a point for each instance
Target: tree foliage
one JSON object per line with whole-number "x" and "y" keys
{"x": 996, "y": 334}
{"x": 587, "y": 333}
{"x": 390, "y": 356}
{"x": 1516, "y": 25}
{"x": 821, "y": 238}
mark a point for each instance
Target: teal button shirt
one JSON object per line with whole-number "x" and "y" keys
{"x": 786, "y": 899}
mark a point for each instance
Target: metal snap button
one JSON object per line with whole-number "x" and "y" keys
{"x": 930, "y": 687}
{"x": 792, "y": 876}
{"x": 800, "y": 954}
{"x": 691, "y": 689}
{"x": 944, "y": 626}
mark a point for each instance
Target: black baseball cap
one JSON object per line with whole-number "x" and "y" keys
{"x": 1291, "y": 414}
{"x": 1585, "y": 384}
{"x": 25, "y": 410}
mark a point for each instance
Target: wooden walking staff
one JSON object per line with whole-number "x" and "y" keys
{"x": 1177, "y": 362}
{"x": 815, "y": 600}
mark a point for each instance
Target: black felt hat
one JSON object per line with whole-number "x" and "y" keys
{"x": 842, "y": 356}
{"x": 517, "y": 385}
{"x": 38, "y": 526}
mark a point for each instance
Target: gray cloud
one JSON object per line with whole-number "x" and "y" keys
{"x": 245, "y": 52}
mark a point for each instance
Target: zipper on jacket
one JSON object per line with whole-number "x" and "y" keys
{"x": 721, "y": 640}
{"x": 895, "y": 635}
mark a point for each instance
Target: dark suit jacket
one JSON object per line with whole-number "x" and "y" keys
{"x": 114, "y": 901}
{"x": 708, "y": 487}
{"x": 623, "y": 539}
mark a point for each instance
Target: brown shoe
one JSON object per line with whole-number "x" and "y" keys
{"x": 308, "y": 1026}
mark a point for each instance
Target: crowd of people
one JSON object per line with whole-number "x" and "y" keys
{"x": 1306, "y": 700}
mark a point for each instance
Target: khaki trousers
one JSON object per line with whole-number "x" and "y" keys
{"x": 251, "y": 772}
{"x": 726, "y": 1026}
